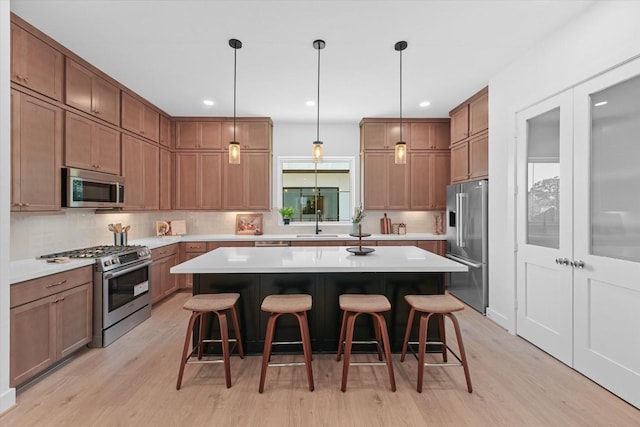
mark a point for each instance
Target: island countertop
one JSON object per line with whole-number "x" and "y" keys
{"x": 317, "y": 259}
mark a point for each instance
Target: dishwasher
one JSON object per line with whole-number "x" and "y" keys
{"x": 271, "y": 243}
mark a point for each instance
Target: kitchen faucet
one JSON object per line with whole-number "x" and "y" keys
{"x": 318, "y": 213}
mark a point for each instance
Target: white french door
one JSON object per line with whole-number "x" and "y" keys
{"x": 545, "y": 222}
{"x": 578, "y": 228}
{"x": 607, "y": 230}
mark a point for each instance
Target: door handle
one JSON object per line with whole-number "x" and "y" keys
{"x": 563, "y": 261}
{"x": 577, "y": 264}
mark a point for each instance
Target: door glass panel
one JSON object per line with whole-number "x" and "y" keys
{"x": 543, "y": 179}
{"x": 615, "y": 171}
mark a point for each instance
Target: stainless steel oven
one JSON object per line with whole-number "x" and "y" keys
{"x": 121, "y": 297}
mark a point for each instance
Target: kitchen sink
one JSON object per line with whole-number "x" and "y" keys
{"x": 317, "y": 235}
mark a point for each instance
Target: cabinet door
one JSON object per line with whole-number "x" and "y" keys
{"x": 105, "y": 100}
{"x": 139, "y": 118}
{"x": 79, "y": 82}
{"x": 166, "y": 179}
{"x": 78, "y": 133}
{"x": 375, "y": 183}
{"x": 393, "y": 133}
{"x": 439, "y": 179}
{"x": 33, "y": 339}
{"x": 398, "y": 183}
{"x": 36, "y": 158}
{"x": 187, "y": 181}
{"x": 169, "y": 281}
{"x": 247, "y": 185}
{"x": 187, "y": 135}
{"x": 198, "y": 181}
{"x": 459, "y": 123}
{"x": 429, "y": 180}
{"x": 430, "y": 136}
{"x": 132, "y": 170}
{"x": 74, "y": 318}
{"x": 106, "y": 149}
{"x": 150, "y": 123}
{"x": 459, "y": 162}
{"x": 257, "y": 135}
{"x": 155, "y": 280}
{"x": 35, "y": 64}
{"x": 479, "y": 114}
{"x": 210, "y": 135}
{"x": 479, "y": 157}
{"x": 436, "y": 246}
{"x": 151, "y": 176}
{"x": 210, "y": 181}
{"x": 165, "y": 132}
{"x": 374, "y": 136}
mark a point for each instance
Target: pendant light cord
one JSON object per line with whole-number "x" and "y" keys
{"x": 401, "y": 140}
{"x": 235, "y": 56}
{"x": 318, "y": 101}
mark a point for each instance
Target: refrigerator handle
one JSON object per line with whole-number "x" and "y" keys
{"x": 458, "y": 220}
{"x": 462, "y": 219}
{"x": 464, "y": 261}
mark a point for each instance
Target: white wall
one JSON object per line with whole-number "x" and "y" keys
{"x": 604, "y": 36}
{"x": 7, "y": 395}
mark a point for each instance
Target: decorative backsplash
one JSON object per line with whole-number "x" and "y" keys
{"x": 33, "y": 235}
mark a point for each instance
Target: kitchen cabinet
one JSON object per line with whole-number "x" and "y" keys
{"x": 140, "y": 167}
{"x": 35, "y": 64}
{"x": 163, "y": 283}
{"x": 36, "y": 154}
{"x": 381, "y": 134}
{"x": 50, "y": 318}
{"x": 430, "y": 135}
{"x": 190, "y": 250}
{"x": 166, "y": 180}
{"x": 139, "y": 118}
{"x": 438, "y": 247}
{"x": 91, "y": 93}
{"x": 470, "y": 138}
{"x": 252, "y": 134}
{"x": 247, "y": 185}
{"x": 429, "y": 180}
{"x": 192, "y": 134}
{"x": 90, "y": 145}
{"x": 386, "y": 185}
{"x": 166, "y": 132}
{"x": 198, "y": 180}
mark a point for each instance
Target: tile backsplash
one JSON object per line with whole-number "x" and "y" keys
{"x": 33, "y": 235}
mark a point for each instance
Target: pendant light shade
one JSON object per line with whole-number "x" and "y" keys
{"x": 317, "y": 144}
{"x": 401, "y": 146}
{"x": 234, "y": 145}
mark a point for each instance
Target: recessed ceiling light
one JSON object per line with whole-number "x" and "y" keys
{"x": 310, "y": 103}
{"x": 425, "y": 104}
{"x": 600, "y": 104}
{"x": 208, "y": 102}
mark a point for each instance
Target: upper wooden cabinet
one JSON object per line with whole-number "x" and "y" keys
{"x": 429, "y": 180}
{"x": 35, "y": 64}
{"x": 430, "y": 135}
{"x": 198, "y": 180}
{"x": 166, "y": 132}
{"x": 469, "y": 138}
{"x": 247, "y": 185}
{"x": 139, "y": 118}
{"x": 471, "y": 117}
{"x": 140, "y": 167}
{"x": 91, "y": 93}
{"x": 191, "y": 134}
{"x": 36, "y": 154}
{"x": 381, "y": 134}
{"x": 252, "y": 134}
{"x": 90, "y": 145}
{"x": 166, "y": 179}
{"x": 386, "y": 185}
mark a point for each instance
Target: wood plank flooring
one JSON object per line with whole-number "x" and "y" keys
{"x": 132, "y": 382}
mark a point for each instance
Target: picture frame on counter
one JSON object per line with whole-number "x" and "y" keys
{"x": 250, "y": 223}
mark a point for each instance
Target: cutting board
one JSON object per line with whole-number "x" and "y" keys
{"x": 385, "y": 224}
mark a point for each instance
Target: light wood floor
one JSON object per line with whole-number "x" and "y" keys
{"x": 132, "y": 382}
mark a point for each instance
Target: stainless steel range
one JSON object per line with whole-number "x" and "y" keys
{"x": 121, "y": 298}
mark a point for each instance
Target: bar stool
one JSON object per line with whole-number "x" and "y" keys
{"x": 352, "y": 306}
{"x": 201, "y": 306}
{"x": 441, "y": 306}
{"x": 276, "y": 306}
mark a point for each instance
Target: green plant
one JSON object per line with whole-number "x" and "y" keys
{"x": 286, "y": 212}
{"x": 358, "y": 215}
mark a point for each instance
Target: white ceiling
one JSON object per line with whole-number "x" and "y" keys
{"x": 176, "y": 53}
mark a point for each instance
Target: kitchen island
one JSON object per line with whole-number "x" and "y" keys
{"x": 323, "y": 272}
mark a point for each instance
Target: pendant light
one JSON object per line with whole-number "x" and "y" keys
{"x": 401, "y": 145}
{"x": 234, "y": 145}
{"x": 317, "y": 144}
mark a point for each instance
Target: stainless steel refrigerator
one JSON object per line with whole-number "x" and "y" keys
{"x": 467, "y": 242}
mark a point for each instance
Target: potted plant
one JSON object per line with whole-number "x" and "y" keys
{"x": 358, "y": 216}
{"x": 287, "y": 213}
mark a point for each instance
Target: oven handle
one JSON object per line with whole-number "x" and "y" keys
{"x": 134, "y": 267}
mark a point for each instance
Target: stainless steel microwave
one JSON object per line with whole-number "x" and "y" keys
{"x": 88, "y": 189}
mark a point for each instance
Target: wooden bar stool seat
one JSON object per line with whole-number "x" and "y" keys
{"x": 276, "y": 306}
{"x": 201, "y": 306}
{"x": 441, "y": 306}
{"x": 352, "y": 306}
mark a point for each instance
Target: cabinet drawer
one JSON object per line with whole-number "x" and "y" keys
{"x": 195, "y": 247}
{"x": 164, "y": 251}
{"x": 232, "y": 244}
{"x": 31, "y": 290}
{"x": 396, "y": 243}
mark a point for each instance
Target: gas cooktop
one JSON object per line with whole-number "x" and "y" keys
{"x": 108, "y": 257}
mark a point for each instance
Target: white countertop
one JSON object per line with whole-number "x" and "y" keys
{"x": 317, "y": 259}
{"x": 28, "y": 269}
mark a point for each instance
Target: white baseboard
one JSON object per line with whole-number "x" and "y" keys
{"x": 501, "y": 320}
{"x": 7, "y": 400}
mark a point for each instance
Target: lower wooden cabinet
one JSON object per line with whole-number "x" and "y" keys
{"x": 50, "y": 317}
{"x": 163, "y": 283}
{"x": 436, "y": 246}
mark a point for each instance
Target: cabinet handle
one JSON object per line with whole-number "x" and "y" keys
{"x": 26, "y": 204}
{"x": 58, "y": 300}
{"x": 62, "y": 282}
